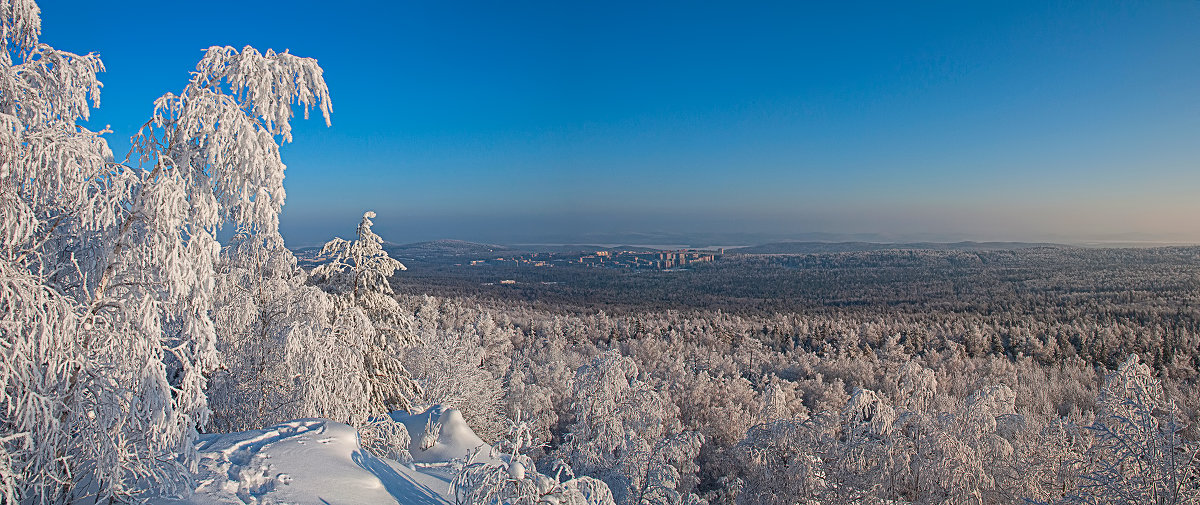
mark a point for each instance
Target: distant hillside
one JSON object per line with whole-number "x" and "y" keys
{"x": 453, "y": 250}
{"x": 574, "y": 248}
{"x": 836, "y": 247}
{"x": 459, "y": 250}
{"x": 445, "y": 249}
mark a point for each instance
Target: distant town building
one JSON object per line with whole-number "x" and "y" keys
{"x": 661, "y": 260}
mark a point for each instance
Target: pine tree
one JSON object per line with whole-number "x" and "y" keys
{"x": 359, "y": 274}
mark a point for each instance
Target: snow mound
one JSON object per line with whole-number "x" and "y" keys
{"x": 321, "y": 462}
{"x": 307, "y": 461}
{"x": 440, "y": 435}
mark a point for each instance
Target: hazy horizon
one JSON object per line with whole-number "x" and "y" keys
{"x": 547, "y": 231}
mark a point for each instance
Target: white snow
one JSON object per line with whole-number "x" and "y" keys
{"x": 516, "y": 471}
{"x": 320, "y": 462}
{"x": 440, "y": 434}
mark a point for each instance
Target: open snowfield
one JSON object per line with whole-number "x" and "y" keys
{"x": 321, "y": 462}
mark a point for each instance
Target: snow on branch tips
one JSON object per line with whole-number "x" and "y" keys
{"x": 109, "y": 269}
{"x": 20, "y": 26}
{"x": 359, "y": 266}
{"x": 224, "y": 129}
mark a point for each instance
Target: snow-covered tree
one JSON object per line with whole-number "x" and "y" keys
{"x": 357, "y": 267}
{"x": 1054, "y": 460}
{"x": 358, "y": 272}
{"x": 109, "y": 268}
{"x": 260, "y": 304}
{"x": 1137, "y": 454}
{"x": 448, "y": 368}
{"x": 289, "y": 349}
{"x": 213, "y": 150}
{"x": 509, "y": 476}
{"x": 862, "y": 461}
{"x": 620, "y": 428}
{"x": 783, "y": 462}
{"x": 774, "y": 403}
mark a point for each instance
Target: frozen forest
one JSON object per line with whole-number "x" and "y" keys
{"x": 146, "y": 360}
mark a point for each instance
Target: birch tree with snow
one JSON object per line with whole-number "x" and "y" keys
{"x": 276, "y": 335}
{"x": 507, "y": 475}
{"x": 626, "y": 434}
{"x": 108, "y": 269}
{"x": 1138, "y": 454}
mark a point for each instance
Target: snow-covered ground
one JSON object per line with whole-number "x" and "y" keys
{"x": 321, "y": 462}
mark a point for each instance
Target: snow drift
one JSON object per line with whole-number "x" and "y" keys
{"x": 317, "y": 461}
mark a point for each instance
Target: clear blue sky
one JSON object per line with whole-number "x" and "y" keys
{"x": 517, "y": 121}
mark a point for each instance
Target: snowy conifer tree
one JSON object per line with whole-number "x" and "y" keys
{"x": 359, "y": 271}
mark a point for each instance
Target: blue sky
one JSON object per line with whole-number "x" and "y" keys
{"x": 564, "y": 121}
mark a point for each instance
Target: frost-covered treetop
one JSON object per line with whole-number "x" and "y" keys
{"x": 20, "y": 26}
{"x": 359, "y": 266}
{"x": 220, "y": 132}
{"x": 267, "y": 84}
{"x": 49, "y": 165}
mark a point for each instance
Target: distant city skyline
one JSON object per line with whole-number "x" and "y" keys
{"x": 560, "y": 122}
